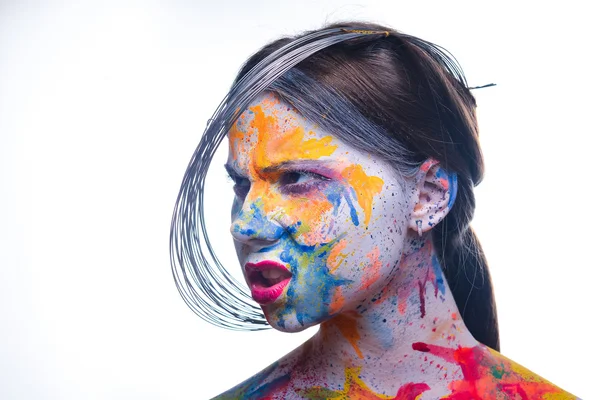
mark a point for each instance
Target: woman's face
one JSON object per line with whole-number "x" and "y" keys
{"x": 319, "y": 226}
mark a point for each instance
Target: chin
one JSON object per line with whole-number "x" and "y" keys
{"x": 289, "y": 321}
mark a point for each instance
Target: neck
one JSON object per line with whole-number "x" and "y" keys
{"x": 380, "y": 335}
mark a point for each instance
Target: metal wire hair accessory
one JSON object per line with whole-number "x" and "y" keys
{"x": 204, "y": 284}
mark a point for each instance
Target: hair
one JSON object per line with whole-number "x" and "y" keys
{"x": 393, "y": 95}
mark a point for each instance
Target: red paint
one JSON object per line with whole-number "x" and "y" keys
{"x": 262, "y": 292}
{"x": 411, "y": 391}
{"x": 420, "y": 346}
{"x": 479, "y": 382}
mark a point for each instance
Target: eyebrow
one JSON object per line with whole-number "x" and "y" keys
{"x": 232, "y": 171}
{"x": 301, "y": 164}
{"x": 285, "y": 165}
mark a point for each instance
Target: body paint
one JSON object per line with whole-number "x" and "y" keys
{"x": 355, "y": 388}
{"x": 486, "y": 374}
{"x": 344, "y": 240}
{"x": 255, "y": 388}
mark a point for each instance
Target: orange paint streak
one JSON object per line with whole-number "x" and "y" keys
{"x": 385, "y": 293}
{"x": 365, "y": 187}
{"x": 236, "y": 137}
{"x": 265, "y": 144}
{"x": 444, "y": 183}
{"x": 337, "y": 301}
{"x": 335, "y": 258}
{"x": 427, "y": 165}
{"x": 402, "y": 306}
{"x": 348, "y": 326}
{"x": 372, "y": 272}
{"x": 275, "y": 147}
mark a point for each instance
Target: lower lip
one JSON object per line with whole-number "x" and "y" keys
{"x": 267, "y": 295}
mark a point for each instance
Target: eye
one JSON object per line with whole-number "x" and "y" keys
{"x": 300, "y": 182}
{"x": 241, "y": 185}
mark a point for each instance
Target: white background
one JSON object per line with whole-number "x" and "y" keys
{"x": 103, "y": 103}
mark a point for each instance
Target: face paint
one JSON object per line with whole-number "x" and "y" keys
{"x": 332, "y": 215}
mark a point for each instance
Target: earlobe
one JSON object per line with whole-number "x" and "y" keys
{"x": 436, "y": 193}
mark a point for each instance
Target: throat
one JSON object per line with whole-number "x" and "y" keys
{"x": 415, "y": 309}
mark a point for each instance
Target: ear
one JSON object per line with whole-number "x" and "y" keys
{"x": 435, "y": 195}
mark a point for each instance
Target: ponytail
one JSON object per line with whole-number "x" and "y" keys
{"x": 466, "y": 270}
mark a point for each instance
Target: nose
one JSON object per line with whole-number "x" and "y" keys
{"x": 252, "y": 227}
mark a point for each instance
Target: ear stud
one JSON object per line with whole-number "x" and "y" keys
{"x": 420, "y": 227}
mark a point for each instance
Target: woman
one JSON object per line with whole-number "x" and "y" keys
{"x": 354, "y": 151}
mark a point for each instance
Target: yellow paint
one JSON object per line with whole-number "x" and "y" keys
{"x": 365, "y": 187}
{"x": 532, "y": 382}
{"x": 348, "y": 326}
{"x": 356, "y": 389}
{"x": 275, "y": 147}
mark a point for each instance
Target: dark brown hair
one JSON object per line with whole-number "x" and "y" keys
{"x": 416, "y": 100}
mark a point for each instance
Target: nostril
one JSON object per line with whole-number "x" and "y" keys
{"x": 241, "y": 234}
{"x": 252, "y": 224}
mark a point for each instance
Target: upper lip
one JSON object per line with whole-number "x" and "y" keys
{"x": 266, "y": 273}
{"x": 264, "y": 265}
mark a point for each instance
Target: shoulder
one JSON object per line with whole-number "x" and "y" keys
{"x": 273, "y": 382}
{"x": 269, "y": 382}
{"x": 513, "y": 379}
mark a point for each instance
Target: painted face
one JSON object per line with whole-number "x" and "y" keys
{"x": 318, "y": 225}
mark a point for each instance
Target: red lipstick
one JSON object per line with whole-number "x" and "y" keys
{"x": 267, "y": 280}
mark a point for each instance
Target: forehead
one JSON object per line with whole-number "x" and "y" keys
{"x": 270, "y": 132}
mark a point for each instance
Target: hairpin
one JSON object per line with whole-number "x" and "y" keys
{"x": 481, "y": 87}
{"x": 366, "y": 32}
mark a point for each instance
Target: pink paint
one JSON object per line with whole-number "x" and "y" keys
{"x": 263, "y": 291}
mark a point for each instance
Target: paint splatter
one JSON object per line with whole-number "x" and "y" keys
{"x": 254, "y": 388}
{"x": 365, "y": 187}
{"x": 372, "y": 271}
{"x": 348, "y": 327}
{"x": 274, "y": 147}
{"x": 356, "y": 389}
{"x": 335, "y": 258}
{"x": 430, "y": 271}
{"x": 487, "y": 374}
{"x": 308, "y": 265}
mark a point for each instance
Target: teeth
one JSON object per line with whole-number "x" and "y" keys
{"x": 272, "y": 274}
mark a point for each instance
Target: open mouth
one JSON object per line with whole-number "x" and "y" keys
{"x": 267, "y": 280}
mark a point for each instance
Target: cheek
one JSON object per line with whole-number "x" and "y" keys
{"x": 367, "y": 257}
{"x": 322, "y": 216}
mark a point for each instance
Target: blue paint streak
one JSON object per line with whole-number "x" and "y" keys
{"x": 311, "y": 289}
{"x": 254, "y": 223}
{"x": 439, "y": 275}
{"x": 251, "y": 389}
{"x": 453, "y": 182}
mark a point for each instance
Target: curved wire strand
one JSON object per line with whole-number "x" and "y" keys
{"x": 206, "y": 286}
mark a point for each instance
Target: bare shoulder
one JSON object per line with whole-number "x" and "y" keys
{"x": 483, "y": 373}
{"x": 270, "y": 383}
{"x": 514, "y": 379}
